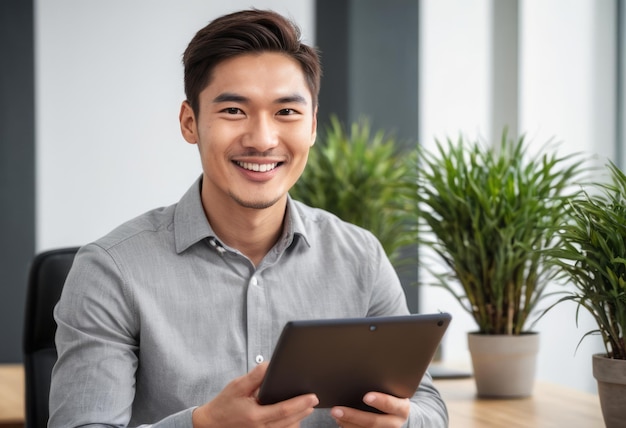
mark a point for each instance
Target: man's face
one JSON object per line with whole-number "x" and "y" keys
{"x": 255, "y": 126}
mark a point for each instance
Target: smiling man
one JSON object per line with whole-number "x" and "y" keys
{"x": 254, "y": 125}
{"x": 169, "y": 320}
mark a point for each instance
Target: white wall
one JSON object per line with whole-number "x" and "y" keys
{"x": 567, "y": 78}
{"x": 454, "y": 72}
{"x": 109, "y": 84}
{"x": 568, "y": 74}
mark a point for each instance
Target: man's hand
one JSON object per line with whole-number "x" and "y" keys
{"x": 396, "y": 412}
{"x": 236, "y": 406}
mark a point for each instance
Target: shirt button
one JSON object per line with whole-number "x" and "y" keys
{"x": 254, "y": 281}
{"x": 259, "y": 359}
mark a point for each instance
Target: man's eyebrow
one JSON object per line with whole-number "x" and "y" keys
{"x": 295, "y": 98}
{"x": 229, "y": 97}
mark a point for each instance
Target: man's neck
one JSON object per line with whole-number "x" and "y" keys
{"x": 251, "y": 231}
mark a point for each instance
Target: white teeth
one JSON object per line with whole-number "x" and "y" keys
{"x": 257, "y": 167}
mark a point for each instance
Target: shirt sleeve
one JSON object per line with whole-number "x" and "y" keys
{"x": 427, "y": 406}
{"x": 93, "y": 381}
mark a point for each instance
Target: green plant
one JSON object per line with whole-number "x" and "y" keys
{"x": 359, "y": 176}
{"x": 487, "y": 213}
{"x": 593, "y": 257}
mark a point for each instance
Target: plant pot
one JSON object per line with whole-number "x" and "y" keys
{"x": 504, "y": 366}
{"x": 611, "y": 377}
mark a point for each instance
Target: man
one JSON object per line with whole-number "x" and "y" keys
{"x": 169, "y": 319}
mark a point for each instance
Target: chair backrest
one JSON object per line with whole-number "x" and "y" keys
{"x": 45, "y": 282}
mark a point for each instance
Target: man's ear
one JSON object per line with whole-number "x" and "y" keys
{"x": 187, "y": 120}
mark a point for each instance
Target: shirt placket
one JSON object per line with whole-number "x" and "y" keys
{"x": 258, "y": 322}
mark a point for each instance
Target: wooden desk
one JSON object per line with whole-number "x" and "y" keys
{"x": 551, "y": 406}
{"x": 11, "y": 396}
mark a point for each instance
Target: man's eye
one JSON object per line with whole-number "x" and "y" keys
{"x": 232, "y": 110}
{"x": 287, "y": 112}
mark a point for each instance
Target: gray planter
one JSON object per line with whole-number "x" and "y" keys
{"x": 504, "y": 366}
{"x": 611, "y": 377}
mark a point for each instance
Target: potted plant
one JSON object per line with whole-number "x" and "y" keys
{"x": 360, "y": 177}
{"x": 486, "y": 214}
{"x": 592, "y": 256}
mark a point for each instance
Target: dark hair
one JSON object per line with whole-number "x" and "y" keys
{"x": 248, "y": 31}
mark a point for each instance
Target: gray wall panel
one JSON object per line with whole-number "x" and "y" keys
{"x": 17, "y": 179}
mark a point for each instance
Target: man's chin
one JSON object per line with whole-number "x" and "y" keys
{"x": 255, "y": 204}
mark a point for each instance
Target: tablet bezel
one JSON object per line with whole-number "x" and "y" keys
{"x": 342, "y": 359}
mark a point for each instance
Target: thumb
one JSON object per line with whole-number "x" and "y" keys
{"x": 258, "y": 372}
{"x": 252, "y": 381}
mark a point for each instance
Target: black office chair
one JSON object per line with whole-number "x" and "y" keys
{"x": 46, "y": 279}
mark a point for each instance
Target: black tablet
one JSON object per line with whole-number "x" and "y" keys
{"x": 341, "y": 360}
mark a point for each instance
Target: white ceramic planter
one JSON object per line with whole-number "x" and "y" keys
{"x": 504, "y": 366}
{"x": 611, "y": 377}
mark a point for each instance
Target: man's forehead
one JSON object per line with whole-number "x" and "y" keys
{"x": 270, "y": 74}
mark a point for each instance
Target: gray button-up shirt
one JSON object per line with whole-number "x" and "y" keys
{"x": 158, "y": 316}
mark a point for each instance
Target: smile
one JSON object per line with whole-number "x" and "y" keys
{"x": 257, "y": 167}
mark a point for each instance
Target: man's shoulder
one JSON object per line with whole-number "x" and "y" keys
{"x": 144, "y": 226}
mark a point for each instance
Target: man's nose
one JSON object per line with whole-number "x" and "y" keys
{"x": 262, "y": 134}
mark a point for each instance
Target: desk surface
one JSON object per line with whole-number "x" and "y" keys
{"x": 551, "y": 406}
{"x": 11, "y": 395}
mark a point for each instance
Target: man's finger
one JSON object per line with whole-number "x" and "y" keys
{"x": 388, "y": 404}
{"x": 290, "y": 412}
{"x": 249, "y": 383}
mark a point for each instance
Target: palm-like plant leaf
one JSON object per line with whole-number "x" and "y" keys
{"x": 360, "y": 176}
{"x": 488, "y": 213}
{"x": 593, "y": 258}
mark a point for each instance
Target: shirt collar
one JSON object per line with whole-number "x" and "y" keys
{"x": 190, "y": 222}
{"x": 294, "y": 226}
{"x": 191, "y": 225}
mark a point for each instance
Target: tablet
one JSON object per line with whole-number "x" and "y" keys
{"x": 340, "y": 360}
